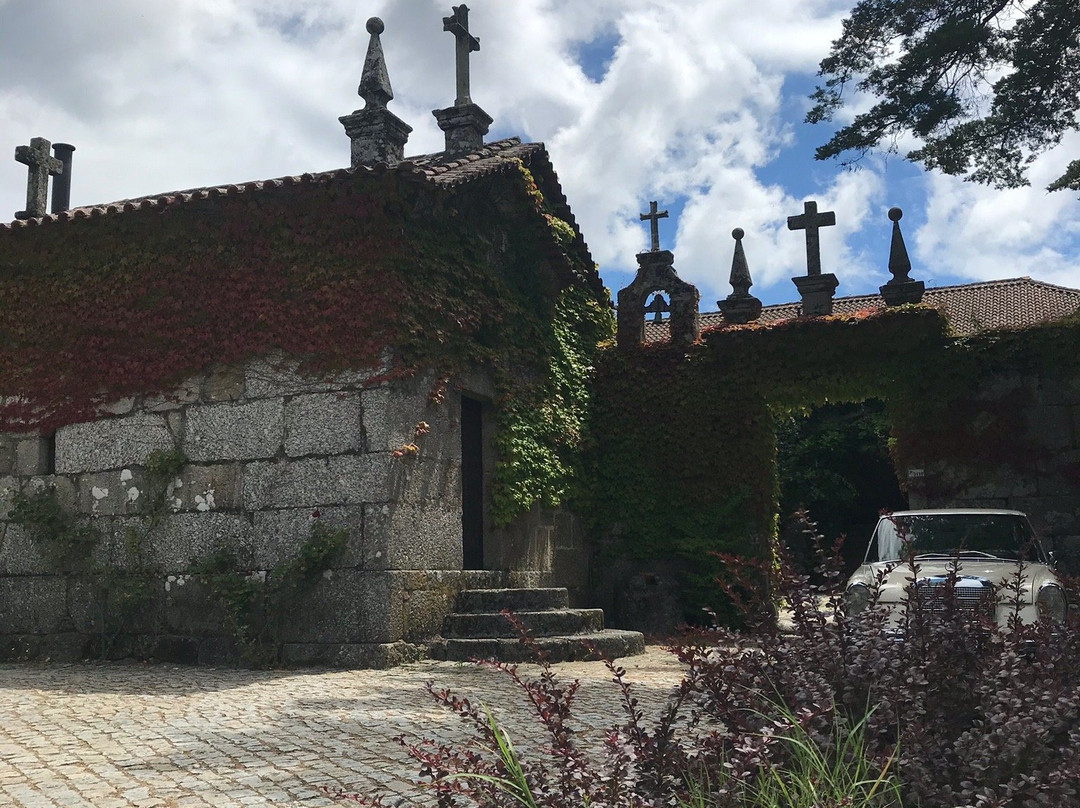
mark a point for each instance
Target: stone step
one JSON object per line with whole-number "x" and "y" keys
{"x": 476, "y": 601}
{"x": 612, "y": 643}
{"x": 546, "y": 623}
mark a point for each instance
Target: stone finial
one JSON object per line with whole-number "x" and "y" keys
{"x": 740, "y": 272}
{"x": 375, "y": 80}
{"x": 815, "y": 288}
{"x": 377, "y": 135}
{"x": 901, "y": 289}
{"x": 464, "y": 124}
{"x": 740, "y": 306}
{"x": 653, "y": 217}
{"x": 656, "y": 273}
{"x": 40, "y": 165}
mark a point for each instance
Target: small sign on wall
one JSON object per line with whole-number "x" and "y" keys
{"x": 916, "y": 474}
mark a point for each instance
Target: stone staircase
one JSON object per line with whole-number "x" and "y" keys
{"x": 479, "y": 630}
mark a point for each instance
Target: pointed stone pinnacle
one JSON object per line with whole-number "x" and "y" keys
{"x": 901, "y": 289}
{"x": 377, "y": 134}
{"x": 375, "y": 81}
{"x": 740, "y": 272}
{"x": 740, "y": 306}
{"x": 899, "y": 263}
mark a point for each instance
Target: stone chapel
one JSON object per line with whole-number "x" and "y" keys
{"x": 199, "y": 384}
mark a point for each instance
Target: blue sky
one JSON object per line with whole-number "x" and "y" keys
{"x": 697, "y": 104}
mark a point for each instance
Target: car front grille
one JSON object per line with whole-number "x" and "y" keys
{"x": 973, "y": 598}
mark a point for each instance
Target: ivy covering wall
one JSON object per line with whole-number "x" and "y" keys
{"x": 334, "y": 271}
{"x": 682, "y": 459}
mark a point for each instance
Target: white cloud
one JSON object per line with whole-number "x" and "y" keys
{"x": 978, "y": 233}
{"x": 164, "y": 95}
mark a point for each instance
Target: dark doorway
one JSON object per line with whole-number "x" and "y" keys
{"x": 472, "y": 483}
{"x": 834, "y": 462}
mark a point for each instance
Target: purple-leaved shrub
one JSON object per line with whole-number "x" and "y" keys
{"x": 819, "y": 709}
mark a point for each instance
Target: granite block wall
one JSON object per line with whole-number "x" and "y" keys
{"x": 268, "y": 451}
{"x": 1030, "y": 425}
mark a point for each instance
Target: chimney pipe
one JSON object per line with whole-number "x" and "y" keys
{"x": 61, "y": 200}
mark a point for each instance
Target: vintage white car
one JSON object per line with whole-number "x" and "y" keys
{"x": 978, "y": 550}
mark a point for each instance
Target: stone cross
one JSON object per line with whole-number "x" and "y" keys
{"x": 40, "y": 164}
{"x": 458, "y": 25}
{"x": 811, "y": 221}
{"x": 657, "y": 308}
{"x": 654, "y": 229}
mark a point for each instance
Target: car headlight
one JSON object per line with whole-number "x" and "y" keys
{"x": 856, "y": 598}
{"x": 1052, "y": 602}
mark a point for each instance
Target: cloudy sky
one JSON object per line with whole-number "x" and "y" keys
{"x": 694, "y": 103}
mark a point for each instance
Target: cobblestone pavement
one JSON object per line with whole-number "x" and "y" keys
{"x": 166, "y": 736}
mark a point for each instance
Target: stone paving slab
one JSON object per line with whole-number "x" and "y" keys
{"x": 166, "y": 736}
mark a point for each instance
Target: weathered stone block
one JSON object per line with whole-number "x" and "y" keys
{"x": 112, "y": 493}
{"x": 392, "y": 413}
{"x": 423, "y": 478}
{"x": 234, "y": 431}
{"x": 526, "y": 544}
{"x": 33, "y": 605}
{"x": 192, "y": 608}
{"x": 66, "y": 648}
{"x": 403, "y": 536}
{"x": 19, "y": 554}
{"x": 64, "y": 488}
{"x": 424, "y": 612}
{"x": 32, "y": 456}
{"x": 118, "y": 603}
{"x": 215, "y": 487}
{"x": 186, "y": 393}
{"x": 223, "y": 383}
{"x": 349, "y": 606}
{"x": 279, "y": 534}
{"x": 323, "y": 424}
{"x": 340, "y": 480}
{"x": 183, "y": 537}
{"x": 124, "y": 543}
{"x": 111, "y": 444}
{"x": 176, "y": 649}
{"x": 352, "y": 655}
{"x": 19, "y": 647}
{"x": 269, "y": 377}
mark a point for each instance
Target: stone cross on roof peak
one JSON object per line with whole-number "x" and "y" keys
{"x": 653, "y": 217}
{"x": 40, "y": 164}
{"x": 458, "y": 25}
{"x": 811, "y": 221}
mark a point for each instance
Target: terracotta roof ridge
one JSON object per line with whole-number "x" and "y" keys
{"x": 429, "y": 165}
{"x": 996, "y": 282}
{"x": 186, "y": 195}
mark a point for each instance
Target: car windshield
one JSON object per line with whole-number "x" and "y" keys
{"x": 997, "y": 535}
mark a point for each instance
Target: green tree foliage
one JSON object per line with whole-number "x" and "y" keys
{"x": 834, "y": 462}
{"x": 986, "y": 85}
